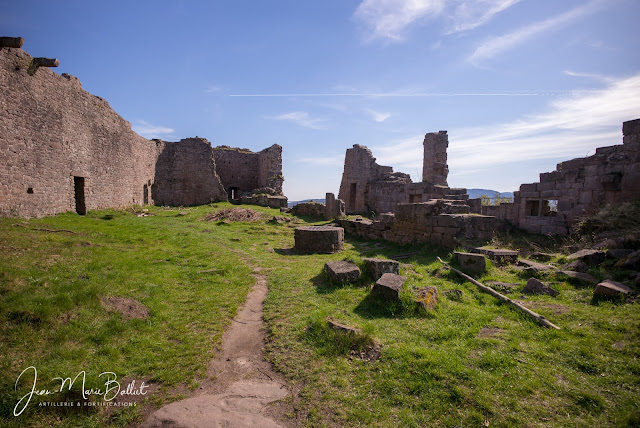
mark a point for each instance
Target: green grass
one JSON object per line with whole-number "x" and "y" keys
{"x": 435, "y": 369}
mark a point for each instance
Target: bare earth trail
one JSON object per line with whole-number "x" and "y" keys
{"x": 240, "y": 382}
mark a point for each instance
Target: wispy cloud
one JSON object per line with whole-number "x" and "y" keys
{"x": 378, "y": 116}
{"x": 599, "y": 77}
{"x": 571, "y": 127}
{"x": 470, "y": 14}
{"x": 390, "y": 19}
{"x": 301, "y": 118}
{"x": 497, "y": 45}
{"x": 213, "y": 89}
{"x": 147, "y": 130}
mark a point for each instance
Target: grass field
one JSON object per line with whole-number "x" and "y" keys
{"x": 471, "y": 362}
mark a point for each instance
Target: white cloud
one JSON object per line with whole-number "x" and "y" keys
{"x": 378, "y": 116}
{"x": 600, "y": 77}
{"x": 497, "y": 45}
{"x": 388, "y": 19}
{"x": 301, "y": 118}
{"x": 470, "y": 14}
{"x": 148, "y": 130}
{"x": 571, "y": 127}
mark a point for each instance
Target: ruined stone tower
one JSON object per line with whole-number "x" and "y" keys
{"x": 434, "y": 165}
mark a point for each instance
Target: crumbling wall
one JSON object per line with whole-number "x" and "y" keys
{"x": 434, "y": 163}
{"x": 577, "y": 187}
{"x": 270, "y": 166}
{"x": 185, "y": 174}
{"x": 238, "y": 169}
{"x": 444, "y": 223}
{"x": 51, "y": 130}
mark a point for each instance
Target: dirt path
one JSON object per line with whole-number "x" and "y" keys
{"x": 240, "y": 382}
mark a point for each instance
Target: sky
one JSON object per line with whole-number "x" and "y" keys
{"x": 519, "y": 85}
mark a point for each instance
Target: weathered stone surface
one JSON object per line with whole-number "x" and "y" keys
{"x": 342, "y": 328}
{"x": 590, "y": 257}
{"x": 535, "y": 286}
{"x": 632, "y": 261}
{"x": 11, "y": 42}
{"x": 389, "y": 286}
{"x": 333, "y": 208}
{"x": 576, "y": 266}
{"x": 309, "y": 209}
{"x": 534, "y": 266}
{"x": 618, "y": 253}
{"x": 637, "y": 282}
{"x": 498, "y": 255}
{"x": 578, "y": 276}
{"x": 611, "y": 288}
{"x": 342, "y": 272}
{"x": 427, "y": 297}
{"x": 544, "y": 257}
{"x": 470, "y": 263}
{"x": 377, "y": 267}
{"x": 319, "y": 239}
{"x": 434, "y": 168}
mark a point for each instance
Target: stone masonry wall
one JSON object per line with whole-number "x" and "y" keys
{"x": 270, "y": 166}
{"x": 438, "y": 222}
{"x": 237, "y": 168}
{"x": 186, "y": 174}
{"x": 51, "y": 130}
{"x": 434, "y": 167}
{"x": 577, "y": 187}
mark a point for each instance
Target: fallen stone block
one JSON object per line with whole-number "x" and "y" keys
{"x": 609, "y": 288}
{"x": 319, "y": 239}
{"x": 534, "y": 266}
{"x": 427, "y": 297}
{"x": 470, "y": 263}
{"x": 590, "y": 257}
{"x": 377, "y": 267}
{"x": 342, "y": 272}
{"x": 498, "y": 255}
{"x": 544, "y": 257}
{"x": 389, "y": 286}
{"x": 632, "y": 261}
{"x": 576, "y": 266}
{"x": 345, "y": 329}
{"x": 584, "y": 278}
{"x": 618, "y": 253}
{"x": 535, "y": 286}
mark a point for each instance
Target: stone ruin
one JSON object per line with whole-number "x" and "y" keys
{"x": 67, "y": 150}
{"x": 431, "y": 211}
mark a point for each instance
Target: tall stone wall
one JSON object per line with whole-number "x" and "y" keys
{"x": 578, "y": 186}
{"x": 270, "y": 167}
{"x": 185, "y": 174}
{"x": 51, "y": 130}
{"x": 237, "y": 168}
{"x": 434, "y": 163}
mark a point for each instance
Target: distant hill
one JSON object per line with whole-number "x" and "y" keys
{"x": 476, "y": 193}
{"x": 292, "y": 203}
{"x": 473, "y": 193}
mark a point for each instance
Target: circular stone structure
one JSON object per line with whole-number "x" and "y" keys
{"x": 319, "y": 239}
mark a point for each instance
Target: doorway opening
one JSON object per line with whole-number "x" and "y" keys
{"x": 78, "y": 190}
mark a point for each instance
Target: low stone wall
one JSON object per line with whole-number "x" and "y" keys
{"x": 264, "y": 200}
{"x": 309, "y": 209}
{"x": 426, "y": 222}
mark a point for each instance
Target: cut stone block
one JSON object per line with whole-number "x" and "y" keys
{"x": 345, "y": 329}
{"x": 498, "y": 255}
{"x": 319, "y": 239}
{"x": 576, "y": 266}
{"x": 542, "y": 256}
{"x": 471, "y": 263}
{"x": 377, "y": 267}
{"x": 632, "y": 261}
{"x": 578, "y": 276}
{"x": 609, "y": 288}
{"x": 342, "y": 272}
{"x": 590, "y": 257}
{"x": 535, "y": 286}
{"x": 389, "y": 286}
{"x": 534, "y": 266}
{"x": 428, "y": 297}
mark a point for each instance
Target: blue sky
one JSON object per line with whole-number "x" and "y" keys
{"x": 519, "y": 84}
